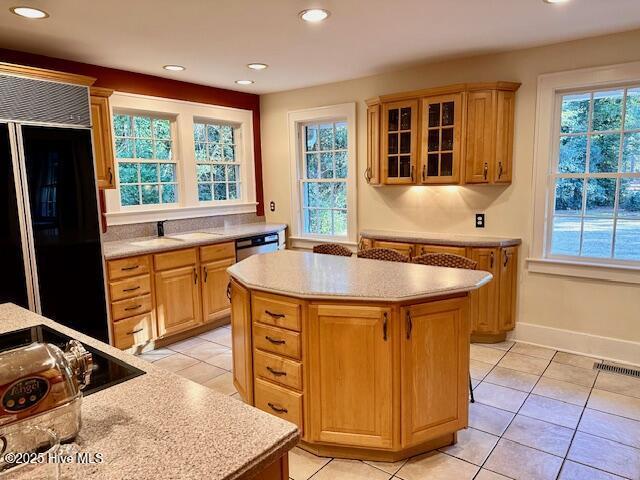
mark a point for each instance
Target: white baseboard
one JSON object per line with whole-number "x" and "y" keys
{"x": 605, "y": 348}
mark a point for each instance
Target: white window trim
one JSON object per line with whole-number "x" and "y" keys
{"x": 188, "y": 205}
{"x": 549, "y": 86}
{"x": 296, "y": 119}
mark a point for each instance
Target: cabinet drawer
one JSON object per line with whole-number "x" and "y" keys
{"x": 278, "y": 369}
{"x": 277, "y": 311}
{"x": 130, "y": 287}
{"x": 276, "y": 340}
{"x": 169, "y": 260}
{"x": 128, "y": 308}
{"x": 422, "y": 249}
{"x": 279, "y": 401}
{"x": 132, "y": 331}
{"x": 218, "y": 252}
{"x": 128, "y": 267}
{"x": 403, "y": 248}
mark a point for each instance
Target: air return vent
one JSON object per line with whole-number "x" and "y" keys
{"x": 611, "y": 368}
{"x": 29, "y": 100}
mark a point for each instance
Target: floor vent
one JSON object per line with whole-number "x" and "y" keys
{"x": 608, "y": 367}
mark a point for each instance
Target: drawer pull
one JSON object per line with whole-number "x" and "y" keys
{"x": 130, "y": 268}
{"x": 132, "y": 289}
{"x": 275, "y": 408}
{"x": 275, "y": 315}
{"x": 276, "y": 341}
{"x": 277, "y": 373}
{"x": 229, "y": 291}
{"x": 133, "y": 332}
{"x": 128, "y": 309}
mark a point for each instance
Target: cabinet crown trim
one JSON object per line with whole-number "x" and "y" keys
{"x": 446, "y": 89}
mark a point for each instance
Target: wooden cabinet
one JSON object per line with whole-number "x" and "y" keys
{"x": 484, "y": 301}
{"x": 403, "y": 248}
{"x": 422, "y": 249}
{"x": 103, "y": 148}
{"x": 241, "y": 341}
{"x": 399, "y": 143}
{"x": 133, "y": 331}
{"x": 351, "y": 375}
{"x": 508, "y": 279}
{"x": 177, "y": 300}
{"x": 434, "y": 367}
{"x": 503, "y": 160}
{"x": 372, "y": 172}
{"x": 215, "y": 279}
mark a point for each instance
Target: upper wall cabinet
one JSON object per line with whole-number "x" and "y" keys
{"x": 102, "y": 137}
{"x": 447, "y": 135}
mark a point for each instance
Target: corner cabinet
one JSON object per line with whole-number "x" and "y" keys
{"x": 103, "y": 148}
{"x": 442, "y": 136}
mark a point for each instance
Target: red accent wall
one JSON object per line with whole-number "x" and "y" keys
{"x": 131, "y": 82}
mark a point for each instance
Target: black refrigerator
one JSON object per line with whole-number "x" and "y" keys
{"x": 50, "y": 246}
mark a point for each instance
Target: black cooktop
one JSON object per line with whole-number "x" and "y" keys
{"x": 107, "y": 370}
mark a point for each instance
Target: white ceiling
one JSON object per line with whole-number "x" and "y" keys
{"x": 215, "y": 39}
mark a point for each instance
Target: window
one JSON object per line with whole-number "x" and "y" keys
{"x": 146, "y": 164}
{"x": 324, "y": 181}
{"x": 217, "y": 165}
{"x": 595, "y": 175}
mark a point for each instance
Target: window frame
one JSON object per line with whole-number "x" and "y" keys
{"x": 297, "y": 120}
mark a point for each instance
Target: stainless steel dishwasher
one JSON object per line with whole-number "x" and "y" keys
{"x": 245, "y": 247}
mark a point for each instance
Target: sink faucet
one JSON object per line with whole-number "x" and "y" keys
{"x": 160, "y": 226}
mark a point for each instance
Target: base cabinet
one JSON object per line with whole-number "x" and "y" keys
{"x": 241, "y": 341}
{"x": 177, "y": 300}
{"x": 215, "y": 279}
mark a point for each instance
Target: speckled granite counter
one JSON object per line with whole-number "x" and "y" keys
{"x": 311, "y": 275}
{"x": 160, "y": 425}
{"x": 127, "y": 248}
{"x": 449, "y": 239}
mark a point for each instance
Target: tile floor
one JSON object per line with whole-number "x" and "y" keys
{"x": 539, "y": 414}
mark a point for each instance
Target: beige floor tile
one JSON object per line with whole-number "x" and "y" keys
{"x": 489, "y": 475}
{"x": 512, "y": 378}
{"x": 183, "y": 345}
{"x": 478, "y": 370}
{"x": 222, "y": 384}
{"x": 522, "y": 463}
{"x": 523, "y": 363}
{"x": 506, "y": 345}
{"x": 540, "y": 435}
{"x": 581, "y": 361}
{"x": 303, "y": 465}
{"x": 621, "y": 384}
{"x": 350, "y": 470}
{"x": 221, "y": 336}
{"x": 436, "y": 466}
{"x": 563, "y": 391}
{"x": 486, "y": 354}
{"x": 155, "y": 355}
{"x": 473, "y": 446}
{"x": 205, "y": 351}
{"x": 201, "y": 372}
{"x": 489, "y": 419}
{"x": 619, "y": 429}
{"x": 551, "y": 410}
{"x": 499, "y": 397}
{"x": 389, "y": 467}
{"x": 533, "y": 351}
{"x": 605, "y": 455}
{"x": 176, "y": 362}
{"x": 571, "y": 374}
{"x": 614, "y": 403}
{"x": 222, "y": 360}
{"x": 576, "y": 471}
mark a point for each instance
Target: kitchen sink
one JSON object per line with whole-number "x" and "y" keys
{"x": 158, "y": 242}
{"x": 194, "y": 236}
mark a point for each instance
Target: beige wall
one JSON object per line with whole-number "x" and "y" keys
{"x": 588, "y": 306}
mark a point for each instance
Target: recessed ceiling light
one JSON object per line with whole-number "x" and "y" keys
{"x": 257, "y": 66}
{"x": 555, "y": 1}
{"x": 174, "y": 68}
{"x": 314, "y": 15}
{"x": 28, "y": 12}
{"x": 244, "y": 82}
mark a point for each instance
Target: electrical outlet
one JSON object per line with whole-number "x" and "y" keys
{"x": 479, "y": 220}
{"x": 272, "y": 206}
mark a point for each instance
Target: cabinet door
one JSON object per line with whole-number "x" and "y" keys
{"x": 507, "y": 290}
{"x": 177, "y": 300}
{"x": 480, "y": 136}
{"x": 434, "y": 368}
{"x": 241, "y": 341}
{"x": 215, "y": 279}
{"x": 403, "y": 248}
{"x": 372, "y": 173}
{"x": 399, "y": 141}
{"x": 484, "y": 301}
{"x": 440, "y": 139}
{"x": 504, "y": 137}
{"x": 351, "y": 375}
{"x": 102, "y": 137}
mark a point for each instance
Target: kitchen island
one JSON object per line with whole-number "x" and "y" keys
{"x": 160, "y": 425}
{"x": 369, "y": 358}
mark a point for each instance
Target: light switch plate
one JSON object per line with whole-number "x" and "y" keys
{"x": 479, "y": 220}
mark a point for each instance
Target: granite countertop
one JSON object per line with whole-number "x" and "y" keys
{"x": 161, "y": 425}
{"x": 312, "y": 275}
{"x": 449, "y": 239}
{"x": 127, "y": 248}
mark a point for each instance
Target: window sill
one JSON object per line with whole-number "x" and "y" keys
{"x": 597, "y": 271}
{"x": 307, "y": 243}
{"x": 177, "y": 213}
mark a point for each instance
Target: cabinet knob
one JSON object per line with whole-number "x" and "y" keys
{"x": 492, "y": 258}
{"x": 110, "y": 176}
{"x": 277, "y": 373}
{"x": 384, "y": 326}
{"x": 133, "y": 332}
{"x": 412, "y": 172}
{"x": 485, "y": 171}
{"x": 499, "y": 169}
{"x": 206, "y": 274}
{"x": 506, "y": 259}
{"x": 274, "y": 315}
{"x": 275, "y": 341}
{"x": 409, "y": 324}
{"x": 229, "y": 291}
{"x": 195, "y": 276}
{"x": 367, "y": 174}
{"x": 275, "y": 408}
{"x": 132, "y": 289}
{"x": 424, "y": 173}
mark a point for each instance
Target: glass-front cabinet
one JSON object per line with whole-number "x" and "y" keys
{"x": 440, "y": 139}
{"x": 399, "y": 141}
